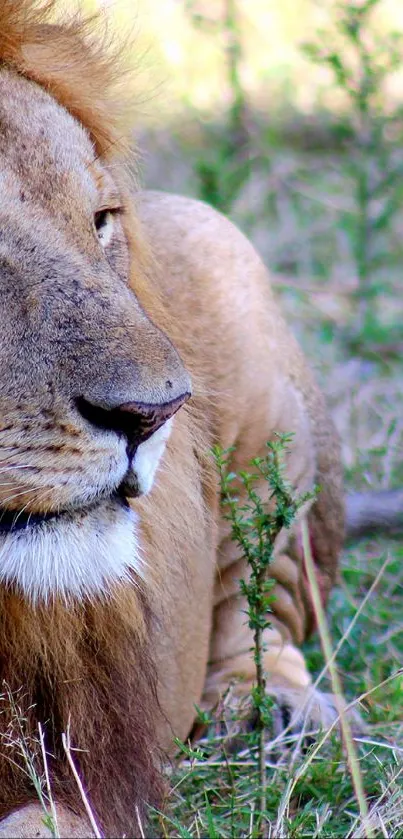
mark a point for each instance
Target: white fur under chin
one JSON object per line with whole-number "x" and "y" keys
{"x": 148, "y": 456}
{"x": 73, "y": 557}
{"x": 82, "y": 555}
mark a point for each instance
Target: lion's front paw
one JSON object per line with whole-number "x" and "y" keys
{"x": 298, "y": 715}
{"x": 309, "y": 711}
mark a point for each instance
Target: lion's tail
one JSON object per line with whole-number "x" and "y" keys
{"x": 369, "y": 513}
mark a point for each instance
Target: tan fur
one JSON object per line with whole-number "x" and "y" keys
{"x": 80, "y": 66}
{"x": 125, "y": 670}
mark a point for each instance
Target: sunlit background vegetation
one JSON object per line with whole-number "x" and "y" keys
{"x": 183, "y": 43}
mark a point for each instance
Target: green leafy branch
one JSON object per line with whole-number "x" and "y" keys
{"x": 255, "y": 526}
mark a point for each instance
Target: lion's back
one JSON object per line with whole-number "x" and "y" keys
{"x": 250, "y": 371}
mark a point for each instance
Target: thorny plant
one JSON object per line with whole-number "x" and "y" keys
{"x": 255, "y": 525}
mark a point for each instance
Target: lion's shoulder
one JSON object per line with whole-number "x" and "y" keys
{"x": 184, "y": 228}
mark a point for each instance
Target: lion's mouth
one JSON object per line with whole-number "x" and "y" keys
{"x": 12, "y": 521}
{"x": 80, "y": 552}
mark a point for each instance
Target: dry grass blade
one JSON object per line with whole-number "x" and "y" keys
{"x": 375, "y": 814}
{"x": 55, "y": 825}
{"x": 336, "y": 685}
{"x": 16, "y": 741}
{"x": 139, "y": 822}
{"x": 88, "y": 810}
{"x": 352, "y": 623}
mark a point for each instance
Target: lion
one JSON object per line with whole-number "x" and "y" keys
{"x": 138, "y": 330}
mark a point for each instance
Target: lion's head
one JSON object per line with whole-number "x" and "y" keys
{"x": 85, "y": 377}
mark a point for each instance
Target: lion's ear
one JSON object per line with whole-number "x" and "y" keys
{"x": 78, "y": 62}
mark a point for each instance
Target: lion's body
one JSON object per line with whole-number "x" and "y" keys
{"x": 116, "y": 622}
{"x": 252, "y": 381}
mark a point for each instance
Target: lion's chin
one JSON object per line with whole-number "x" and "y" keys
{"x": 72, "y": 555}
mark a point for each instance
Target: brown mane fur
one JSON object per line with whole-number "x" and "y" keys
{"x": 75, "y": 61}
{"x": 89, "y": 668}
{"x": 86, "y": 667}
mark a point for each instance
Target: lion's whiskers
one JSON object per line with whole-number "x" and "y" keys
{"x": 21, "y": 512}
{"x": 4, "y": 501}
{"x": 17, "y": 466}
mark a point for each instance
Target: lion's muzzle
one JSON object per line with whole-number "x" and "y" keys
{"x": 137, "y": 421}
{"x": 146, "y": 428}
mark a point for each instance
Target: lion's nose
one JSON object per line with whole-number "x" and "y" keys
{"x": 135, "y": 420}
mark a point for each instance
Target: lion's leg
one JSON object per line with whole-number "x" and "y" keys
{"x": 314, "y": 458}
{"x": 231, "y": 660}
{"x": 232, "y": 639}
{"x": 288, "y": 680}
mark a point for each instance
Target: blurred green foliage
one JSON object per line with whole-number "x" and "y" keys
{"x": 361, "y": 61}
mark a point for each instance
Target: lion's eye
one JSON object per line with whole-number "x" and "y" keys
{"x": 103, "y": 221}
